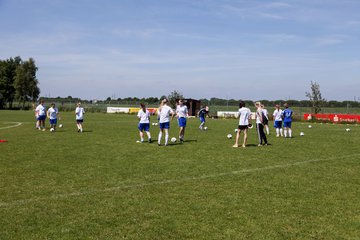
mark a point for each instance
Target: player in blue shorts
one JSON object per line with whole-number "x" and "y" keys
{"x": 144, "y": 123}
{"x": 166, "y": 114}
{"x": 182, "y": 114}
{"x": 204, "y": 111}
{"x": 40, "y": 112}
{"x": 52, "y": 114}
{"x": 277, "y": 116}
{"x": 287, "y": 120}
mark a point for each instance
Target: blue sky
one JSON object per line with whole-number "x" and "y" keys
{"x": 203, "y": 48}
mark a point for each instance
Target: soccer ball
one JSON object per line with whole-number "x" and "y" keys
{"x": 156, "y": 124}
{"x": 309, "y": 126}
{"x": 235, "y": 130}
{"x": 60, "y": 126}
{"x": 302, "y": 134}
{"x": 229, "y": 136}
{"x": 52, "y": 129}
{"x": 173, "y": 139}
{"x": 153, "y": 124}
{"x": 205, "y": 128}
{"x": 348, "y": 129}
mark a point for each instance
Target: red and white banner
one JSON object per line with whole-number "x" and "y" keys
{"x": 333, "y": 117}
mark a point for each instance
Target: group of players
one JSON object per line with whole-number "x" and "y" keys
{"x": 53, "y": 114}
{"x": 282, "y": 121}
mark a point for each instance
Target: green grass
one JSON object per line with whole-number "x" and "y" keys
{"x": 101, "y": 184}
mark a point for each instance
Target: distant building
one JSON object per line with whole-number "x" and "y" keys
{"x": 193, "y": 106}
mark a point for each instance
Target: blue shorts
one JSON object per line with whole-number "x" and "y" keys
{"x": 182, "y": 122}
{"x": 287, "y": 124}
{"x": 53, "y": 121}
{"x": 144, "y": 127}
{"x": 277, "y": 124}
{"x": 202, "y": 119}
{"x": 41, "y": 117}
{"x": 165, "y": 125}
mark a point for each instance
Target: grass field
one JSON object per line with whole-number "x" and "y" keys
{"x": 101, "y": 184}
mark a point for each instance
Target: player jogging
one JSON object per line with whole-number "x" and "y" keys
{"x": 259, "y": 124}
{"x": 79, "y": 113}
{"x": 144, "y": 123}
{"x": 52, "y": 114}
{"x": 244, "y": 116}
{"x": 182, "y": 114}
{"x": 40, "y": 112}
{"x": 166, "y": 114}
{"x": 287, "y": 119}
{"x": 277, "y": 116}
{"x": 202, "y": 113}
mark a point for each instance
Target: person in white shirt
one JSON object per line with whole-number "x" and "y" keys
{"x": 259, "y": 124}
{"x": 52, "y": 114}
{"x": 40, "y": 113}
{"x": 182, "y": 114}
{"x": 277, "y": 116}
{"x": 166, "y": 114}
{"x": 79, "y": 113}
{"x": 244, "y": 117}
{"x": 144, "y": 123}
{"x": 266, "y": 119}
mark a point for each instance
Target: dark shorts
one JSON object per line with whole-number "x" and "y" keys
{"x": 182, "y": 122}
{"x": 243, "y": 127}
{"x": 144, "y": 127}
{"x": 202, "y": 119}
{"x": 265, "y": 121}
{"x": 53, "y": 121}
{"x": 41, "y": 117}
{"x": 277, "y": 124}
{"x": 287, "y": 124}
{"x": 79, "y": 120}
{"x": 165, "y": 125}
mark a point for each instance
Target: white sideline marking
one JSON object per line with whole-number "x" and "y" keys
{"x": 12, "y": 126}
{"x": 187, "y": 179}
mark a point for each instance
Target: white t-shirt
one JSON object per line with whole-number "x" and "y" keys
{"x": 40, "y": 110}
{"x": 244, "y": 115}
{"x": 79, "y": 113}
{"x": 277, "y": 115}
{"x": 52, "y": 112}
{"x": 144, "y": 116}
{"x": 258, "y": 115}
{"x": 165, "y": 113}
{"x": 182, "y": 111}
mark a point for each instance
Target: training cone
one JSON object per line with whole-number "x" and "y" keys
{"x": 1, "y": 140}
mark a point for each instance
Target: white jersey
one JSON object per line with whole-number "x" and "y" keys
{"x": 79, "y": 111}
{"x": 277, "y": 115}
{"x": 165, "y": 113}
{"x": 52, "y": 113}
{"x": 259, "y": 115}
{"x": 144, "y": 116}
{"x": 265, "y": 112}
{"x": 182, "y": 111}
{"x": 40, "y": 110}
{"x": 244, "y": 115}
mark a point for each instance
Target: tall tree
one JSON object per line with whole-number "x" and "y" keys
{"x": 315, "y": 97}
{"x": 173, "y": 97}
{"x": 26, "y": 84}
{"x": 7, "y": 78}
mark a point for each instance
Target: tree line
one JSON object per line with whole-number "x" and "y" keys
{"x": 18, "y": 82}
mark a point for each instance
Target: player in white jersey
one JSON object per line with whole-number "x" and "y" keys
{"x": 244, "y": 117}
{"x": 259, "y": 124}
{"x": 277, "y": 116}
{"x": 52, "y": 114}
{"x": 144, "y": 123}
{"x": 79, "y": 113}
{"x": 166, "y": 114}
{"x": 266, "y": 119}
{"x": 182, "y": 114}
{"x": 40, "y": 113}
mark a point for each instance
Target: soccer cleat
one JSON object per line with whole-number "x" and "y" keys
{"x": 235, "y": 146}
{"x": 150, "y": 141}
{"x": 243, "y": 146}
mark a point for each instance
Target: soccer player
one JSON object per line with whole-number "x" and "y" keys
{"x": 40, "y": 112}
{"x": 166, "y": 114}
{"x": 144, "y": 123}
{"x": 277, "y": 116}
{"x": 182, "y": 114}
{"x": 287, "y": 119}
{"x": 52, "y": 114}
{"x": 204, "y": 111}
{"x": 244, "y": 116}
{"x": 79, "y": 113}
{"x": 266, "y": 119}
{"x": 259, "y": 124}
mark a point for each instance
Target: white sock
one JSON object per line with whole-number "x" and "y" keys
{"x": 290, "y": 133}
{"x": 267, "y": 130}
{"x": 285, "y": 132}
{"x": 166, "y": 138}
{"x": 159, "y": 138}
{"x": 277, "y": 132}
{"x": 281, "y": 131}
{"x": 148, "y": 134}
